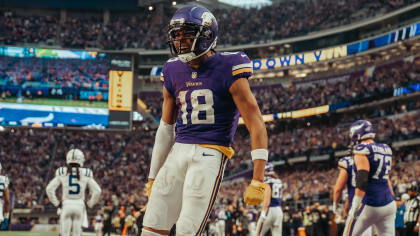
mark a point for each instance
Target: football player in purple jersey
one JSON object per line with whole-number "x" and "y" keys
{"x": 346, "y": 178}
{"x": 271, "y": 217}
{"x": 373, "y": 203}
{"x": 204, "y": 92}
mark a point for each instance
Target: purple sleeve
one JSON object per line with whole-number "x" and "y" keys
{"x": 166, "y": 79}
{"x": 362, "y": 148}
{"x": 342, "y": 163}
{"x": 241, "y": 67}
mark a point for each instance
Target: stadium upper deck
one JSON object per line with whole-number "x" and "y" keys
{"x": 111, "y": 29}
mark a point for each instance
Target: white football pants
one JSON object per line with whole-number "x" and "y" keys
{"x": 71, "y": 217}
{"x": 382, "y": 218}
{"x": 185, "y": 189}
{"x": 273, "y": 221}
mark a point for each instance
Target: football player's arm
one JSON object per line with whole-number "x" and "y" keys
{"x": 362, "y": 180}
{"x": 165, "y": 134}
{"x": 339, "y": 186}
{"x": 346, "y": 207}
{"x": 251, "y": 114}
{"x": 95, "y": 192}
{"x": 362, "y": 177}
{"x": 267, "y": 198}
{"x": 51, "y": 188}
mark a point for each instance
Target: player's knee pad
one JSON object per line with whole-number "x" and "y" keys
{"x": 145, "y": 232}
{"x": 185, "y": 227}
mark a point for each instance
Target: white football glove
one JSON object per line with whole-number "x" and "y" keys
{"x": 357, "y": 201}
{"x": 58, "y": 211}
{"x": 335, "y": 208}
{"x": 263, "y": 215}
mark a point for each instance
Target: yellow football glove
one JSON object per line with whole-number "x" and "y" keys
{"x": 149, "y": 187}
{"x": 254, "y": 193}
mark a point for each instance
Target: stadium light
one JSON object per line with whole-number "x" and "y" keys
{"x": 173, "y": 3}
{"x": 150, "y": 8}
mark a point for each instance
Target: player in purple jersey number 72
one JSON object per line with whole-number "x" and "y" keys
{"x": 373, "y": 203}
{"x": 204, "y": 92}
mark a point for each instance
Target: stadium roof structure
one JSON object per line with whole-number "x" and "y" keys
{"x": 247, "y": 3}
{"x": 214, "y": 4}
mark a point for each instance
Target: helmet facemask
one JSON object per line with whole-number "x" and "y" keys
{"x": 180, "y": 33}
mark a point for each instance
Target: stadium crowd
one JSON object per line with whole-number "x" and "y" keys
{"x": 120, "y": 165}
{"x": 145, "y": 29}
{"x": 306, "y": 190}
{"x": 356, "y": 87}
{"x": 24, "y": 154}
{"x": 326, "y": 138}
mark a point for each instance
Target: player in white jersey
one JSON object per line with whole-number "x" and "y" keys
{"x": 74, "y": 179}
{"x": 271, "y": 217}
{"x": 4, "y": 199}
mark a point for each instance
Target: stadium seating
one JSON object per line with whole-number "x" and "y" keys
{"x": 125, "y": 30}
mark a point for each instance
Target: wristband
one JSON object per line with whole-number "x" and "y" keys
{"x": 259, "y": 154}
{"x": 256, "y": 183}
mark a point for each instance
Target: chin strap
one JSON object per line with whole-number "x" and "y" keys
{"x": 187, "y": 57}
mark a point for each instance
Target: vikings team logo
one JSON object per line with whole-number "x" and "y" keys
{"x": 207, "y": 19}
{"x": 194, "y": 75}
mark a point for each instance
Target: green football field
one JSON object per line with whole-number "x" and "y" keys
{"x": 38, "y": 234}
{"x": 60, "y": 102}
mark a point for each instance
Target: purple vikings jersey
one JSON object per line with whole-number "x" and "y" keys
{"x": 380, "y": 158}
{"x": 347, "y": 163}
{"x": 207, "y": 113}
{"x": 276, "y": 191}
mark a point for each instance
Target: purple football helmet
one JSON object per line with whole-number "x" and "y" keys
{"x": 360, "y": 130}
{"x": 197, "y": 24}
{"x": 269, "y": 169}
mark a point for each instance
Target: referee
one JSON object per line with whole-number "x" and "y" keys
{"x": 411, "y": 215}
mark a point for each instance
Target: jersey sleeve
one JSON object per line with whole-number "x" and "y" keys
{"x": 362, "y": 148}
{"x": 166, "y": 78}
{"x": 88, "y": 173}
{"x": 389, "y": 149}
{"x": 60, "y": 171}
{"x": 241, "y": 67}
{"x": 51, "y": 188}
{"x": 342, "y": 164}
{"x": 95, "y": 192}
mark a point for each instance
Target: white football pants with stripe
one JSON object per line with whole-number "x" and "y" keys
{"x": 273, "y": 221}
{"x": 382, "y": 218}
{"x": 185, "y": 189}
